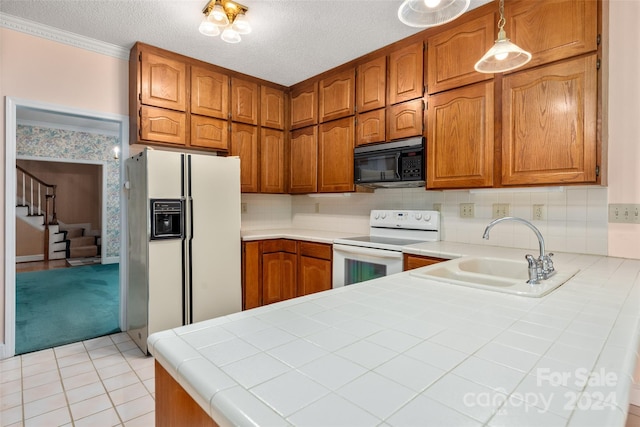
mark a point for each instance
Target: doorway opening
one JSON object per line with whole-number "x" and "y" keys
{"x": 39, "y": 131}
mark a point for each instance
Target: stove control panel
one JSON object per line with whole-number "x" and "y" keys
{"x": 405, "y": 219}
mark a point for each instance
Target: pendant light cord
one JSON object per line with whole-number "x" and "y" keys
{"x": 501, "y": 21}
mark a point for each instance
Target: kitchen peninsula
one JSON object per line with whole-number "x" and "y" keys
{"x": 404, "y": 350}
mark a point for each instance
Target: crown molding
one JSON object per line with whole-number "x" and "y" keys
{"x": 46, "y": 32}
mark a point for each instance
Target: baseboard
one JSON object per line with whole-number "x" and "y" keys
{"x": 29, "y": 258}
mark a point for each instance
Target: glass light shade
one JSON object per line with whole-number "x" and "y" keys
{"x": 208, "y": 28}
{"x": 429, "y": 13}
{"x": 503, "y": 56}
{"x": 230, "y": 35}
{"x": 218, "y": 16}
{"x": 241, "y": 24}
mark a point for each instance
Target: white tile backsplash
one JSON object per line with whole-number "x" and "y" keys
{"x": 576, "y": 217}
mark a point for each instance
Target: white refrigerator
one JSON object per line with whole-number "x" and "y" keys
{"x": 184, "y": 240}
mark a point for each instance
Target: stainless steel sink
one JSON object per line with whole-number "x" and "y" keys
{"x": 494, "y": 274}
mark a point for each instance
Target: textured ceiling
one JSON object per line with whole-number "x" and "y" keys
{"x": 291, "y": 41}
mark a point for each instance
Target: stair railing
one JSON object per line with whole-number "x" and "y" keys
{"x": 35, "y": 194}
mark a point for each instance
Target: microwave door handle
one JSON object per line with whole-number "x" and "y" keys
{"x": 398, "y": 166}
{"x": 375, "y": 253}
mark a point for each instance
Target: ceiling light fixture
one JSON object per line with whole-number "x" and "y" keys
{"x": 504, "y": 55}
{"x": 429, "y": 13}
{"x": 226, "y": 16}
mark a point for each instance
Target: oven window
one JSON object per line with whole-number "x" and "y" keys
{"x": 359, "y": 271}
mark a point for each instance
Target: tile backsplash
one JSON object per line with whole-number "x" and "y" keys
{"x": 575, "y": 217}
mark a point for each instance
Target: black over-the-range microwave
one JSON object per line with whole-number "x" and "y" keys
{"x": 397, "y": 164}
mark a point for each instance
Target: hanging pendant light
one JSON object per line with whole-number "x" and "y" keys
{"x": 429, "y": 13}
{"x": 504, "y": 55}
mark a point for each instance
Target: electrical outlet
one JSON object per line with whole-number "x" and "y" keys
{"x": 539, "y": 213}
{"x": 243, "y": 208}
{"x": 467, "y": 210}
{"x": 437, "y": 207}
{"x": 624, "y": 213}
{"x": 500, "y": 210}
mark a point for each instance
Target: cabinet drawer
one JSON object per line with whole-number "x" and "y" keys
{"x": 279, "y": 245}
{"x": 315, "y": 250}
{"x": 417, "y": 261}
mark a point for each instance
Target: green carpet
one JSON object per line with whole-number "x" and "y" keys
{"x": 57, "y": 307}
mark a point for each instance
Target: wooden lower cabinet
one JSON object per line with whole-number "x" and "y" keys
{"x": 278, "y": 276}
{"x": 279, "y": 269}
{"x": 314, "y": 268}
{"x": 174, "y": 406}
{"x": 417, "y": 261}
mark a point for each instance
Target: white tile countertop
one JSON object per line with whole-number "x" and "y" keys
{"x": 319, "y": 236}
{"x": 405, "y": 351}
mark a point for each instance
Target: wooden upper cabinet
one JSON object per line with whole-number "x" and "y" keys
{"x": 303, "y": 158}
{"x": 272, "y": 161}
{"x": 337, "y": 96}
{"x": 460, "y": 138}
{"x": 371, "y": 85}
{"x": 209, "y": 93}
{"x": 549, "y": 124}
{"x": 371, "y": 127}
{"x": 162, "y": 125}
{"x": 244, "y": 144}
{"x": 405, "y": 120}
{"x": 244, "y": 101}
{"x": 335, "y": 156}
{"x": 304, "y": 106}
{"x": 271, "y": 107}
{"x": 406, "y": 73}
{"x": 207, "y": 132}
{"x": 452, "y": 54}
{"x": 552, "y": 30}
{"x": 163, "y": 81}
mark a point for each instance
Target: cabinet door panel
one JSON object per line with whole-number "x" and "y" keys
{"x": 315, "y": 275}
{"x": 209, "y": 93}
{"x": 251, "y": 275}
{"x": 335, "y": 156}
{"x": 549, "y": 124}
{"x": 371, "y": 85}
{"x": 278, "y": 277}
{"x": 304, "y": 106}
{"x": 460, "y": 138}
{"x": 244, "y": 144}
{"x": 406, "y": 73}
{"x": 406, "y": 119}
{"x": 244, "y": 101}
{"x": 272, "y": 161}
{"x": 160, "y": 125}
{"x": 337, "y": 95}
{"x": 271, "y": 107}
{"x": 163, "y": 82}
{"x": 209, "y": 133}
{"x": 371, "y": 127}
{"x": 452, "y": 54}
{"x": 304, "y": 160}
{"x": 553, "y": 30}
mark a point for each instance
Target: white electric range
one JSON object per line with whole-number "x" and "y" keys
{"x": 357, "y": 259}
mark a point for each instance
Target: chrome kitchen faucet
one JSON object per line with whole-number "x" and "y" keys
{"x": 539, "y": 269}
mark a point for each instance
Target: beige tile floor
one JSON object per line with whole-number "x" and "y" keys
{"x": 105, "y": 381}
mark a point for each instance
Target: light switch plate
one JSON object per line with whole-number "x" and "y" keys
{"x": 500, "y": 210}
{"x": 628, "y": 213}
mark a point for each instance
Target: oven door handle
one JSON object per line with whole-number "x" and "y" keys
{"x": 376, "y": 253}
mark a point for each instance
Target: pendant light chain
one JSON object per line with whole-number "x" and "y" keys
{"x": 501, "y": 21}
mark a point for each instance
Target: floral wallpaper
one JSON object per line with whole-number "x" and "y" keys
{"x": 60, "y": 144}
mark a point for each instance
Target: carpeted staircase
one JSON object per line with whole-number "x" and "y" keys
{"x": 79, "y": 245}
